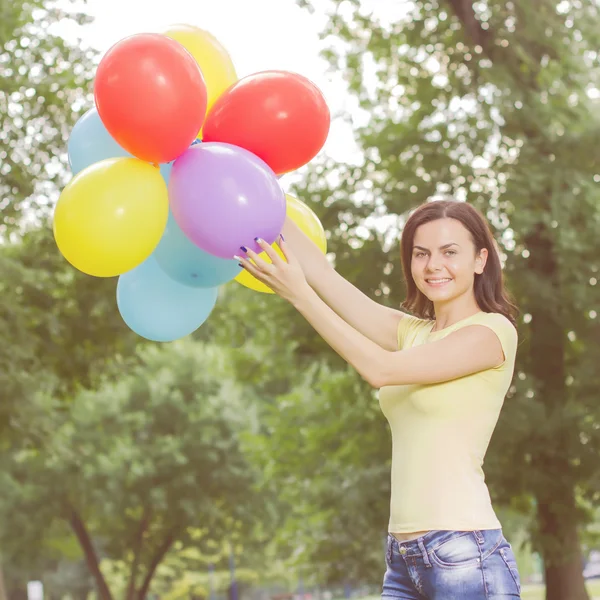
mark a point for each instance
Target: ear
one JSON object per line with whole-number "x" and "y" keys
{"x": 481, "y": 260}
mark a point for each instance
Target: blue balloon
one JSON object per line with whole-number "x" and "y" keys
{"x": 159, "y": 308}
{"x": 90, "y": 143}
{"x": 184, "y": 262}
{"x": 165, "y": 168}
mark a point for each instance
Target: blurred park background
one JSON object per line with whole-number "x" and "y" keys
{"x": 248, "y": 461}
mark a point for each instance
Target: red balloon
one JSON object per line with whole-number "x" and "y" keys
{"x": 151, "y": 96}
{"x": 281, "y": 117}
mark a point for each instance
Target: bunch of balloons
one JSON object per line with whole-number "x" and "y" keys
{"x": 176, "y": 167}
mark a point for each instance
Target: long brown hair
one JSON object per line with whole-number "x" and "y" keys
{"x": 490, "y": 293}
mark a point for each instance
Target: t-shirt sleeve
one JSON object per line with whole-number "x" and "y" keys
{"x": 408, "y": 329}
{"x": 506, "y": 332}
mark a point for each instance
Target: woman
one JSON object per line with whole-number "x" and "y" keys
{"x": 443, "y": 375}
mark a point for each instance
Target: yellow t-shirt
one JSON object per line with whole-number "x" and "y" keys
{"x": 440, "y": 434}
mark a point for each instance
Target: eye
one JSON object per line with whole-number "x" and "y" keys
{"x": 450, "y": 252}
{"x": 419, "y": 254}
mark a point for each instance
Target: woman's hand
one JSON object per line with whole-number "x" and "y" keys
{"x": 286, "y": 279}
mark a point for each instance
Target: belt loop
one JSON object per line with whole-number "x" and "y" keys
{"x": 479, "y": 537}
{"x": 424, "y": 553}
{"x": 390, "y": 541}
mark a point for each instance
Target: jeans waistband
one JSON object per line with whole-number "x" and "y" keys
{"x": 427, "y": 543}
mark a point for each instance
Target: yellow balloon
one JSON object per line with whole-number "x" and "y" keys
{"x": 212, "y": 58}
{"x": 308, "y": 222}
{"x": 111, "y": 216}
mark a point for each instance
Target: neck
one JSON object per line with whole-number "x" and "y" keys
{"x": 457, "y": 309}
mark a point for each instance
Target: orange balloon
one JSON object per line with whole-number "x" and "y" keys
{"x": 281, "y": 117}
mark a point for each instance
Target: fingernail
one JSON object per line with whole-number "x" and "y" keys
{"x": 282, "y": 238}
{"x": 236, "y": 257}
{"x": 241, "y": 265}
{"x": 243, "y": 248}
{"x": 257, "y": 239}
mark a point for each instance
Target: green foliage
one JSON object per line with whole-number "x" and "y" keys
{"x": 42, "y": 92}
{"x": 50, "y": 312}
{"x": 73, "y": 317}
{"x": 333, "y": 487}
{"x": 185, "y": 573}
{"x": 138, "y": 463}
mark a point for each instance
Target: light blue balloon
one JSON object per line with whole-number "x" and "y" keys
{"x": 90, "y": 143}
{"x": 184, "y": 262}
{"x": 165, "y": 168}
{"x": 159, "y": 308}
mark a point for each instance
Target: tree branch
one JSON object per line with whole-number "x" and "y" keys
{"x": 485, "y": 38}
{"x": 160, "y": 554}
{"x": 137, "y": 548}
{"x": 87, "y": 546}
{"x": 464, "y": 11}
{"x": 524, "y": 78}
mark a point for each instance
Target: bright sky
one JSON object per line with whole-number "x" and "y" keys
{"x": 258, "y": 34}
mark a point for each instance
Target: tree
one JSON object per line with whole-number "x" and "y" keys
{"x": 137, "y": 466}
{"x": 42, "y": 92}
{"x": 73, "y": 318}
{"x": 490, "y": 101}
{"x": 47, "y": 306}
{"x": 43, "y": 302}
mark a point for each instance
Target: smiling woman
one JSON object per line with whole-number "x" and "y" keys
{"x": 443, "y": 374}
{"x": 466, "y": 248}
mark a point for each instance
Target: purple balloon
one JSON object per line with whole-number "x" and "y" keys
{"x": 223, "y": 196}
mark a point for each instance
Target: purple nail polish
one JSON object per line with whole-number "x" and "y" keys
{"x": 281, "y": 236}
{"x": 243, "y": 248}
{"x": 241, "y": 265}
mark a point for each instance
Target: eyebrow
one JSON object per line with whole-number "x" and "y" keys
{"x": 444, "y": 247}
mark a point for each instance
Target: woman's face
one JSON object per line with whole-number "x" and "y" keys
{"x": 445, "y": 261}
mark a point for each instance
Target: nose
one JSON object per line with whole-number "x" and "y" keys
{"x": 434, "y": 263}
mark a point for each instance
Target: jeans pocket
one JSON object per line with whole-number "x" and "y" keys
{"x": 459, "y": 551}
{"x": 509, "y": 559}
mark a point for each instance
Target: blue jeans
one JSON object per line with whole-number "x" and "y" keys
{"x": 451, "y": 565}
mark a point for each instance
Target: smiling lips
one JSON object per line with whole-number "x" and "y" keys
{"x": 438, "y": 281}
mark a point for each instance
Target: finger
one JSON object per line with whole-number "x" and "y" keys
{"x": 258, "y": 261}
{"x": 249, "y": 266}
{"x": 285, "y": 250}
{"x": 270, "y": 252}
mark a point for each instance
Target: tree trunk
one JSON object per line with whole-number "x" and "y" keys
{"x": 89, "y": 552}
{"x": 555, "y": 494}
{"x": 563, "y": 562}
{"x": 17, "y": 592}
{"x": 156, "y": 560}
{"x": 3, "y": 595}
